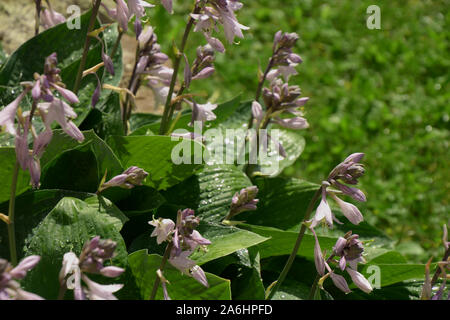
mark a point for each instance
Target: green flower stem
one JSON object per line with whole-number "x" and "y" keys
{"x": 291, "y": 258}
{"x": 161, "y": 267}
{"x": 168, "y": 106}
{"x": 11, "y": 209}
{"x": 86, "y": 46}
{"x": 312, "y": 293}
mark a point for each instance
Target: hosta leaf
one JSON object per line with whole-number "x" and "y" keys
{"x": 31, "y": 208}
{"x": 209, "y": 191}
{"x": 154, "y": 155}
{"x": 7, "y": 163}
{"x": 181, "y": 287}
{"x": 71, "y": 223}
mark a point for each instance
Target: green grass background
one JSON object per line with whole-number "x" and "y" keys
{"x": 382, "y": 92}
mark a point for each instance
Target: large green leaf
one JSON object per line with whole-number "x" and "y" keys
{"x": 7, "y": 163}
{"x": 154, "y": 154}
{"x": 105, "y": 159}
{"x": 181, "y": 287}
{"x": 31, "y": 208}
{"x": 66, "y": 228}
{"x": 224, "y": 241}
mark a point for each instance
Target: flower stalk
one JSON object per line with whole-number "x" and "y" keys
{"x": 298, "y": 242}
{"x": 87, "y": 42}
{"x": 168, "y": 108}
{"x": 161, "y": 267}
{"x": 11, "y": 216}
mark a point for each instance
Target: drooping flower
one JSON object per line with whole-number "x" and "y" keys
{"x": 163, "y": 229}
{"x": 50, "y": 18}
{"x": 219, "y": 12}
{"x": 8, "y": 114}
{"x": 202, "y": 112}
{"x": 359, "y": 280}
{"x": 9, "y": 287}
{"x": 168, "y": 5}
{"x": 244, "y": 200}
{"x": 184, "y": 240}
{"x": 73, "y": 272}
{"x": 133, "y": 176}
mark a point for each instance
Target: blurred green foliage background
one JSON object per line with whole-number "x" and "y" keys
{"x": 382, "y": 92}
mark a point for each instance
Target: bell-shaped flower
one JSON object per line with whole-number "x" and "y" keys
{"x": 168, "y": 5}
{"x": 203, "y": 112}
{"x": 50, "y": 18}
{"x": 9, "y": 287}
{"x": 8, "y": 114}
{"x": 163, "y": 229}
{"x": 133, "y": 176}
{"x": 319, "y": 261}
{"x": 295, "y": 123}
{"x": 350, "y": 211}
{"x": 359, "y": 280}
{"x": 340, "y": 282}
{"x": 323, "y": 211}
{"x": 96, "y": 291}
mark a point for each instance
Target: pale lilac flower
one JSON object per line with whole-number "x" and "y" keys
{"x": 163, "y": 229}
{"x": 244, "y": 200}
{"x": 133, "y": 176}
{"x": 220, "y": 12}
{"x": 96, "y": 291}
{"x": 340, "y": 282}
{"x": 323, "y": 211}
{"x": 50, "y": 18}
{"x": 202, "y": 112}
{"x": 293, "y": 123}
{"x": 167, "y": 5}
{"x": 350, "y": 250}
{"x": 61, "y": 112}
{"x": 257, "y": 113}
{"x": 8, "y": 114}
{"x": 350, "y": 211}
{"x": 9, "y": 287}
{"x": 92, "y": 257}
{"x": 349, "y": 171}
{"x": 319, "y": 261}
{"x": 359, "y": 280}
{"x": 198, "y": 274}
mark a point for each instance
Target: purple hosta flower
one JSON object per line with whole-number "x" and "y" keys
{"x": 151, "y": 66}
{"x": 188, "y": 266}
{"x": 242, "y": 201}
{"x": 168, "y": 5}
{"x": 95, "y": 252}
{"x": 202, "y": 112}
{"x": 9, "y": 287}
{"x": 163, "y": 229}
{"x": 219, "y": 12}
{"x": 359, "y": 280}
{"x": 319, "y": 261}
{"x": 133, "y": 176}
{"x": 8, "y": 114}
{"x": 203, "y": 65}
{"x": 283, "y": 57}
{"x": 296, "y": 123}
{"x": 50, "y": 18}
{"x": 137, "y": 7}
{"x": 350, "y": 250}
{"x": 349, "y": 171}
{"x": 61, "y": 112}
{"x": 257, "y": 113}
{"x": 323, "y": 211}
